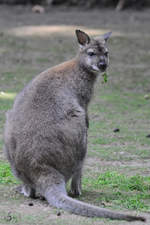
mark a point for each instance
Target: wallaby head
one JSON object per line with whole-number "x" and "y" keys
{"x": 93, "y": 52}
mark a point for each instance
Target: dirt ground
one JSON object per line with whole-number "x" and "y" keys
{"x": 33, "y": 34}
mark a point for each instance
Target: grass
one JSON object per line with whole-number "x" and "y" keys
{"x": 9, "y": 218}
{"x": 6, "y": 176}
{"x": 124, "y": 110}
{"x": 118, "y": 190}
{"x": 115, "y": 189}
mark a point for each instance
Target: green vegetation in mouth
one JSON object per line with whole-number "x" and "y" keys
{"x": 105, "y": 77}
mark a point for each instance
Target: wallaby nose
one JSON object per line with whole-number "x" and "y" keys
{"x": 102, "y": 66}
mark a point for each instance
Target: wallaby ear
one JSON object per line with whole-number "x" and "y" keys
{"x": 106, "y": 36}
{"x": 82, "y": 37}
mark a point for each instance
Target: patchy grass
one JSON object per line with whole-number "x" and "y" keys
{"x": 9, "y": 218}
{"x": 6, "y": 176}
{"x": 120, "y": 191}
{"x": 127, "y": 111}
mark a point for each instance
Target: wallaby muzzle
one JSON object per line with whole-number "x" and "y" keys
{"x": 102, "y": 66}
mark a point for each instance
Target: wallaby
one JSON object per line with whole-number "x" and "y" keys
{"x": 46, "y": 130}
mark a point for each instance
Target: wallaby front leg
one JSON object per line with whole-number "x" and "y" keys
{"x": 76, "y": 183}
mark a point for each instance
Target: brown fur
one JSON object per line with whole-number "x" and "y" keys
{"x": 46, "y": 130}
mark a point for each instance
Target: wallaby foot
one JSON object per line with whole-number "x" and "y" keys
{"x": 76, "y": 184}
{"x": 26, "y": 191}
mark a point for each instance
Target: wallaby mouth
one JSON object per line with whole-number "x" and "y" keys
{"x": 95, "y": 69}
{"x": 102, "y": 66}
{"x": 99, "y": 68}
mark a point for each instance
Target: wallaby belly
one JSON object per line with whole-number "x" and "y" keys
{"x": 37, "y": 142}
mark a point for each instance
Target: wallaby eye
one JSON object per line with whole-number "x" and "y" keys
{"x": 91, "y": 53}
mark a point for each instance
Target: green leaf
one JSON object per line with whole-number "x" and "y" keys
{"x": 105, "y": 77}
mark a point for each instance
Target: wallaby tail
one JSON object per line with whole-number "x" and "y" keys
{"x": 56, "y": 196}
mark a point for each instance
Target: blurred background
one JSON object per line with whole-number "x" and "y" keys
{"x": 35, "y": 35}
{"x": 118, "y": 4}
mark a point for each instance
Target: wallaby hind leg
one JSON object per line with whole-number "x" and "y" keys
{"x": 26, "y": 191}
{"x": 76, "y": 183}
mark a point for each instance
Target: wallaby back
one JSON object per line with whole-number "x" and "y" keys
{"x": 46, "y": 130}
